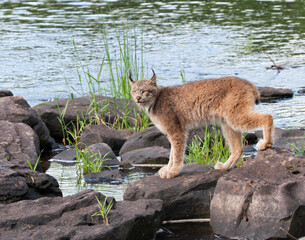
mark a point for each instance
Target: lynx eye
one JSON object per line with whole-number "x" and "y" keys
{"x": 143, "y": 91}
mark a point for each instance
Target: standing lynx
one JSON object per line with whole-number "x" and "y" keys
{"x": 177, "y": 109}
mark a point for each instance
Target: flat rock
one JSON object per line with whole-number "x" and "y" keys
{"x": 102, "y": 134}
{"x": 15, "y": 109}
{"x": 114, "y": 176}
{"x": 21, "y": 183}
{"x": 69, "y": 154}
{"x": 265, "y": 195}
{"x": 5, "y": 93}
{"x": 185, "y": 196}
{"x": 301, "y": 90}
{"x": 270, "y": 94}
{"x": 71, "y": 218}
{"x": 80, "y": 108}
{"x": 150, "y": 155}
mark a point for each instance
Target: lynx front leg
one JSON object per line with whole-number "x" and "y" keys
{"x": 176, "y": 157}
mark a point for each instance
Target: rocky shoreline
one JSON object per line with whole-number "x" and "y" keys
{"x": 263, "y": 199}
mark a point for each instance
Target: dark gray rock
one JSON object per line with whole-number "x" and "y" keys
{"x": 265, "y": 195}
{"x": 302, "y": 90}
{"x": 15, "y": 109}
{"x": 284, "y": 138}
{"x": 114, "y": 176}
{"x": 69, "y": 154}
{"x": 185, "y": 196}
{"x": 147, "y": 138}
{"x": 71, "y": 218}
{"x": 5, "y": 93}
{"x": 151, "y": 155}
{"x": 81, "y": 107}
{"x": 102, "y": 134}
{"x": 21, "y": 183}
{"x": 269, "y": 94}
{"x": 104, "y": 151}
{"x": 18, "y": 143}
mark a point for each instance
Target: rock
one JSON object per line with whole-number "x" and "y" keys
{"x": 302, "y": 90}
{"x": 185, "y": 196}
{"x": 103, "y": 134}
{"x": 147, "y": 138}
{"x": 15, "y": 109}
{"x": 81, "y": 108}
{"x": 265, "y": 195}
{"x": 151, "y": 155}
{"x": 269, "y": 94}
{"x": 71, "y": 218}
{"x": 18, "y": 143}
{"x": 21, "y": 183}
{"x": 284, "y": 138}
{"x": 69, "y": 154}
{"x": 103, "y": 150}
{"x": 5, "y": 93}
{"x": 114, "y": 176}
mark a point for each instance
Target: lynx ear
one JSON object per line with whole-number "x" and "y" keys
{"x": 153, "y": 78}
{"x": 131, "y": 81}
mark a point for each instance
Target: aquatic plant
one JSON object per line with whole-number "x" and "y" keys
{"x": 209, "y": 150}
{"x": 104, "y": 209}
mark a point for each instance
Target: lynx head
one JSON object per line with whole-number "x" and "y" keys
{"x": 144, "y": 92}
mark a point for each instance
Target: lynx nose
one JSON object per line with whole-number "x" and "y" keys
{"x": 138, "y": 98}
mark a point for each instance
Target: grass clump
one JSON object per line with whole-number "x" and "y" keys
{"x": 297, "y": 149}
{"x": 33, "y": 168}
{"x": 210, "y": 150}
{"x": 104, "y": 209}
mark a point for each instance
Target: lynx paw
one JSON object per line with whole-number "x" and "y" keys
{"x": 164, "y": 172}
{"x": 220, "y": 166}
{"x": 262, "y": 145}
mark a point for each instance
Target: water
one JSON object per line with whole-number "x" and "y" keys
{"x": 203, "y": 38}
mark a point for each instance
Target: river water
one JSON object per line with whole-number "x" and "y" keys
{"x": 202, "y": 38}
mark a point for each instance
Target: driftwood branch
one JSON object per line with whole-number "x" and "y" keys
{"x": 274, "y": 66}
{"x": 282, "y": 229}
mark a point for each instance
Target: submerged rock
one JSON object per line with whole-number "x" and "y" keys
{"x": 69, "y": 154}
{"x": 185, "y": 196}
{"x": 71, "y": 218}
{"x": 151, "y": 155}
{"x": 5, "y": 93}
{"x": 269, "y": 94}
{"x": 114, "y": 176}
{"x": 265, "y": 195}
{"x": 15, "y": 109}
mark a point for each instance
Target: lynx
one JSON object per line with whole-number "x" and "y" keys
{"x": 177, "y": 109}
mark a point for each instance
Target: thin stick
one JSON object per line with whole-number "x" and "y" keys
{"x": 288, "y": 233}
{"x": 199, "y": 220}
{"x": 274, "y": 64}
{"x": 148, "y": 165}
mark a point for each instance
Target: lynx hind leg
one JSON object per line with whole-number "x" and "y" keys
{"x": 235, "y": 143}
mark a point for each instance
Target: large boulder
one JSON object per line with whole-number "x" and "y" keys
{"x": 18, "y": 143}
{"x": 185, "y": 196}
{"x": 18, "y": 183}
{"x": 71, "y": 218}
{"x": 263, "y": 199}
{"x": 15, "y": 109}
{"x": 81, "y": 108}
{"x": 151, "y": 155}
{"x": 104, "y": 151}
{"x": 269, "y": 94}
{"x": 102, "y": 134}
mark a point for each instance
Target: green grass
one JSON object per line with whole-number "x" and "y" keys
{"x": 104, "y": 209}
{"x": 87, "y": 162}
{"x": 33, "y": 168}
{"x": 127, "y": 55}
{"x": 210, "y": 150}
{"x": 297, "y": 149}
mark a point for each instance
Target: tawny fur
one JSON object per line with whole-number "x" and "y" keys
{"x": 177, "y": 109}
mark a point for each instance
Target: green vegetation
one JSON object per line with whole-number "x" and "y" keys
{"x": 210, "y": 150}
{"x": 104, "y": 210}
{"x": 87, "y": 162}
{"x": 298, "y": 149}
{"x": 36, "y": 164}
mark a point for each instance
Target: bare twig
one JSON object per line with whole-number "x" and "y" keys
{"x": 199, "y": 220}
{"x": 288, "y": 233}
{"x": 274, "y": 66}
